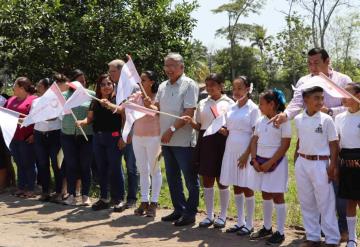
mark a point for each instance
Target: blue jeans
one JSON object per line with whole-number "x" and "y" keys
{"x": 78, "y": 155}
{"x": 47, "y": 146}
{"x": 109, "y": 165}
{"x": 177, "y": 160}
{"x": 132, "y": 174}
{"x": 24, "y": 156}
{"x": 340, "y": 209}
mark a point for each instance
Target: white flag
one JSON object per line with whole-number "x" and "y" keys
{"x": 129, "y": 78}
{"x": 131, "y": 117}
{"x": 46, "y": 107}
{"x": 8, "y": 124}
{"x": 216, "y": 125}
{"x": 330, "y": 87}
{"x": 79, "y": 97}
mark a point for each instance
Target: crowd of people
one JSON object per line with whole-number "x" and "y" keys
{"x": 248, "y": 151}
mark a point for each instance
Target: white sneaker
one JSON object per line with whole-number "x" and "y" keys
{"x": 86, "y": 201}
{"x": 70, "y": 201}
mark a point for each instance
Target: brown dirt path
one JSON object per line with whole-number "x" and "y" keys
{"x": 31, "y": 223}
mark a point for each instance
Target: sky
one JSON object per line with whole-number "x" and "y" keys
{"x": 208, "y": 22}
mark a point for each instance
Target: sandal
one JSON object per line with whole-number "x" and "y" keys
{"x": 28, "y": 194}
{"x": 18, "y": 193}
{"x": 234, "y": 229}
{"x": 219, "y": 223}
{"x": 244, "y": 231}
{"x": 206, "y": 222}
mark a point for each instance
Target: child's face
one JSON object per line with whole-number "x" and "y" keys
{"x": 239, "y": 89}
{"x": 314, "y": 102}
{"x": 349, "y": 102}
{"x": 213, "y": 88}
{"x": 266, "y": 108}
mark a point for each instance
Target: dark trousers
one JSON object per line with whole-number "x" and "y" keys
{"x": 109, "y": 165}
{"x": 78, "y": 155}
{"x": 24, "y": 156}
{"x": 47, "y": 146}
{"x": 179, "y": 160}
{"x": 132, "y": 174}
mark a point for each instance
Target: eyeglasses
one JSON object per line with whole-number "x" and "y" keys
{"x": 109, "y": 84}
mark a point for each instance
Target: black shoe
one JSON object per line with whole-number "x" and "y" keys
{"x": 171, "y": 217}
{"x": 276, "y": 238}
{"x": 244, "y": 231}
{"x": 100, "y": 205}
{"x": 130, "y": 204}
{"x": 119, "y": 206}
{"x": 185, "y": 220}
{"x": 262, "y": 233}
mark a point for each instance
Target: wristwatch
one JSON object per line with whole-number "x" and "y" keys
{"x": 172, "y": 128}
{"x": 330, "y": 112}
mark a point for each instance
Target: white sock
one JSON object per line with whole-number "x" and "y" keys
{"x": 239, "y": 201}
{"x": 250, "y": 208}
{"x": 209, "y": 202}
{"x": 280, "y": 217}
{"x": 351, "y": 223}
{"x": 224, "y": 203}
{"x": 267, "y": 209}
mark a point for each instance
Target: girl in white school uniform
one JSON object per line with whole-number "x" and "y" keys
{"x": 268, "y": 148}
{"x": 236, "y": 169}
{"x": 348, "y": 128}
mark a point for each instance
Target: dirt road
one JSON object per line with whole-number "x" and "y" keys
{"x": 31, "y": 223}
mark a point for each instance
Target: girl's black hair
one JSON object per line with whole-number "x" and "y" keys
{"x": 75, "y": 74}
{"x": 46, "y": 82}
{"x": 354, "y": 86}
{"x": 276, "y": 96}
{"x": 153, "y": 77}
{"x": 219, "y": 79}
{"x": 25, "y": 83}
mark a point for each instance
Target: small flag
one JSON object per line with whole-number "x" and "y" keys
{"x": 8, "y": 124}
{"x": 216, "y": 125}
{"x": 79, "y": 97}
{"x": 129, "y": 78}
{"x": 46, "y": 107}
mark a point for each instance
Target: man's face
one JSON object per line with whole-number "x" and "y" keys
{"x": 114, "y": 73}
{"x": 316, "y": 64}
{"x": 314, "y": 102}
{"x": 173, "y": 69}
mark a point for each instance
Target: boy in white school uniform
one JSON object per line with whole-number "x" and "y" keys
{"x": 316, "y": 157}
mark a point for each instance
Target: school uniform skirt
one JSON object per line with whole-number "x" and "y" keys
{"x": 209, "y": 153}
{"x": 349, "y": 174}
{"x": 236, "y": 144}
{"x": 271, "y": 182}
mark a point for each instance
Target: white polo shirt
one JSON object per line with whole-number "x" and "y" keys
{"x": 269, "y": 137}
{"x": 204, "y": 115}
{"x": 348, "y": 126}
{"x": 315, "y": 132}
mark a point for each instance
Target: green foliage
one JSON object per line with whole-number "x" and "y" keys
{"x": 290, "y": 50}
{"x": 247, "y": 63}
{"x": 38, "y": 37}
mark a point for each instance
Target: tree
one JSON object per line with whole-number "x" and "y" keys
{"x": 38, "y": 37}
{"x": 259, "y": 39}
{"x": 321, "y": 12}
{"x": 198, "y": 68}
{"x": 246, "y": 62}
{"x": 236, "y": 9}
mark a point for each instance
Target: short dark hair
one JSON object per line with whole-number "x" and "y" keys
{"x": 45, "y": 82}
{"x": 312, "y": 90}
{"x": 25, "y": 83}
{"x": 219, "y": 79}
{"x": 60, "y": 78}
{"x": 317, "y": 50}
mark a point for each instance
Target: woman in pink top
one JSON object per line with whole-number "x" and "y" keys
{"x": 146, "y": 144}
{"x": 22, "y": 147}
